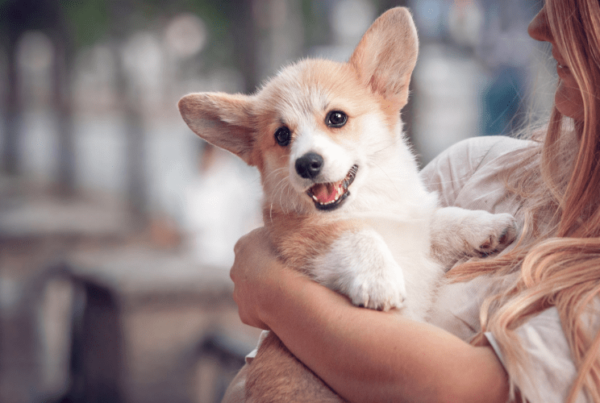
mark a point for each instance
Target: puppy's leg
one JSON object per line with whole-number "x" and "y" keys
{"x": 458, "y": 233}
{"x": 360, "y": 265}
{"x": 236, "y": 391}
{"x": 276, "y": 376}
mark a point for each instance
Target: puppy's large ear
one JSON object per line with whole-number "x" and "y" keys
{"x": 223, "y": 120}
{"x": 386, "y": 55}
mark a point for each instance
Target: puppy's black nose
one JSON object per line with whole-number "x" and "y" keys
{"x": 309, "y": 165}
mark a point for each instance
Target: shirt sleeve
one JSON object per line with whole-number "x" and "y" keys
{"x": 448, "y": 173}
{"x": 550, "y": 372}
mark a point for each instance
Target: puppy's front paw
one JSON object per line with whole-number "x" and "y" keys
{"x": 491, "y": 233}
{"x": 458, "y": 234}
{"x": 362, "y": 267}
{"x": 379, "y": 289}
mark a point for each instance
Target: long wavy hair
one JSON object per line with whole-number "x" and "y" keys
{"x": 556, "y": 262}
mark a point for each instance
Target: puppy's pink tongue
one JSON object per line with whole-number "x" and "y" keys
{"x": 325, "y": 192}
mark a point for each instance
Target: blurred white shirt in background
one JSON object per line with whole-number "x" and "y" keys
{"x": 222, "y": 204}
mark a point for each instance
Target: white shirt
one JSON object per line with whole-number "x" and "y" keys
{"x": 469, "y": 175}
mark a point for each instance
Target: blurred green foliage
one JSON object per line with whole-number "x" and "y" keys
{"x": 84, "y": 23}
{"x": 91, "y": 20}
{"x": 316, "y": 25}
{"x": 88, "y": 20}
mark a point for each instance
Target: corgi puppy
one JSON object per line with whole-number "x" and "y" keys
{"x": 343, "y": 201}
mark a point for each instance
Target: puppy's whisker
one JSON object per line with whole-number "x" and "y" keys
{"x": 290, "y": 196}
{"x": 274, "y": 173}
{"x": 280, "y": 187}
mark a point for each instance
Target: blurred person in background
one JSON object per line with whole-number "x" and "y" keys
{"x": 527, "y": 326}
{"x": 222, "y": 205}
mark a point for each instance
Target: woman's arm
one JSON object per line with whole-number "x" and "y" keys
{"x": 364, "y": 355}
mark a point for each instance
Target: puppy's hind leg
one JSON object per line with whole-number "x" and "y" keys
{"x": 276, "y": 376}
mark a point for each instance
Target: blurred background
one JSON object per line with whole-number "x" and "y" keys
{"x": 117, "y": 224}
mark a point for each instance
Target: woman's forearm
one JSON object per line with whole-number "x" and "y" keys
{"x": 367, "y": 355}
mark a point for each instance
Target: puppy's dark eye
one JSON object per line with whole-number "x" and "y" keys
{"x": 336, "y": 119}
{"x": 283, "y": 136}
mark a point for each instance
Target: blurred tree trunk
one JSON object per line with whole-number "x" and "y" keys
{"x": 387, "y": 4}
{"x": 63, "y": 105}
{"x": 134, "y": 147}
{"x": 19, "y": 16}
{"x": 14, "y": 109}
{"x": 267, "y": 34}
{"x": 135, "y": 139}
{"x": 245, "y": 36}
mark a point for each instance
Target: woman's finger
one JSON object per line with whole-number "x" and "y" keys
{"x": 253, "y": 259}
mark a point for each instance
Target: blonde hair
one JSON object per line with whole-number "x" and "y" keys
{"x": 556, "y": 262}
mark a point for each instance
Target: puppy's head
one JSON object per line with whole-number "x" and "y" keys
{"x": 316, "y": 129}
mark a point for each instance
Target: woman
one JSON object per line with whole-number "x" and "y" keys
{"x": 528, "y": 323}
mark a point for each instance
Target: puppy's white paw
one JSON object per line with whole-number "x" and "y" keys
{"x": 379, "y": 288}
{"x": 458, "y": 233}
{"x": 488, "y": 233}
{"x": 362, "y": 267}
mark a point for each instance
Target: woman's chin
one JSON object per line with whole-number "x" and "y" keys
{"x": 568, "y": 100}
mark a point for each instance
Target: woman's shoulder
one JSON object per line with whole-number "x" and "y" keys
{"x": 450, "y": 171}
{"x": 473, "y": 152}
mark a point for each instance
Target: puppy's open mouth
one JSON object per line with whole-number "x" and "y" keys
{"x": 329, "y": 196}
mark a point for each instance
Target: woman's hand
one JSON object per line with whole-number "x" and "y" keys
{"x": 254, "y": 270}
